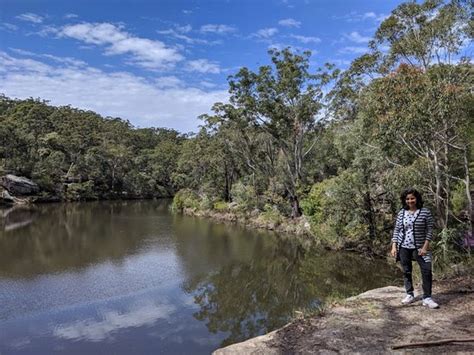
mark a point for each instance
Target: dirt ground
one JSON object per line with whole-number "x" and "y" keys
{"x": 374, "y": 322}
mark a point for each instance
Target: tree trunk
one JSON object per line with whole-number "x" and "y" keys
{"x": 295, "y": 207}
{"x": 467, "y": 182}
{"x": 370, "y": 215}
{"x": 438, "y": 192}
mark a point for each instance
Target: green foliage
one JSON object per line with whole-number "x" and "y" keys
{"x": 244, "y": 196}
{"x": 184, "y": 199}
{"x": 334, "y": 210}
{"x": 220, "y": 206}
{"x": 448, "y": 250}
{"x": 271, "y": 215}
{"x": 59, "y": 145}
{"x": 80, "y": 191}
{"x": 459, "y": 200}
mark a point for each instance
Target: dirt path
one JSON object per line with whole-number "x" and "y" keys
{"x": 373, "y": 322}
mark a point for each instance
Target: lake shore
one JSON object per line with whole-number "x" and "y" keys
{"x": 375, "y": 321}
{"x": 295, "y": 228}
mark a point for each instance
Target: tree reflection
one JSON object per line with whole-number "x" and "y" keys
{"x": 56, "y": 237}
{"x": 249, "y": 299}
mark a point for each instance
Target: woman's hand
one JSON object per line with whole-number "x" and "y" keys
{"x": 393, "y": 252}
{"x": 423, "y": 251}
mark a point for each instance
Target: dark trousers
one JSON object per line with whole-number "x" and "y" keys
{"x": 406, "y": 256}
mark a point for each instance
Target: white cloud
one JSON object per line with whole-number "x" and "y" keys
{"x": 373, "y": 16}
{"x": 218, "y": 29}
{"x": 207, "y": 84}
{"x": 306, "y": 39}
{"x": 171, "y": 81}
{"x": 69, "y": 16}
{"x": 266, "y": 32}
{"x": 355, "y": 16}
{"x": 353, "y": 50}
{"x": 162, "y": 102}
{"x": 8, "y": 27}
{"x": 187, "y": 12}
{"x": 289, "y": 22}
{"x": 357, "y": 37}
{"x": 203, "y": 66}
{"x": 178, "y": 33}
{"x": 64, "y": 60}
{"x": 184, "y": 29}
{"x": 150, "y": 54}
{"x": 30, "y": 17}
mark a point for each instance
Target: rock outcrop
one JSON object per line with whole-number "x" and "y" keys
{"x": 19, "y": 186}
{"x": 374, "y": 322}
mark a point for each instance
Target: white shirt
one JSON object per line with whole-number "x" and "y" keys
{"x": 408, "y": 220}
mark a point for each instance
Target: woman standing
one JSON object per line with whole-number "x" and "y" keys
{"x": 411, "y": 240}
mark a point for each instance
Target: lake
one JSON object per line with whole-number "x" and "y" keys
{"x": 129, "y": 277}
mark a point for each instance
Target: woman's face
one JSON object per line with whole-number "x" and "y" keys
{"x": 411, "y": 200}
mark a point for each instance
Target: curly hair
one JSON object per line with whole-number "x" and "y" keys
{"x": 405, "y": 193}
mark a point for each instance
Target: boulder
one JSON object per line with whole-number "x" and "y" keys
{"x": 17, "y": 185}
{"x": 5, "y": 198}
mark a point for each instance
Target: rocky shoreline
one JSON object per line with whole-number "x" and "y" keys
{"x": 376, "y": 322}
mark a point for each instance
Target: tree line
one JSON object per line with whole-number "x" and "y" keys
{"x": 74, "y": 154}
{"x": 337, "y": 146}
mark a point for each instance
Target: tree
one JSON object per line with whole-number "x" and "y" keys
{"x": 283, "y": 101}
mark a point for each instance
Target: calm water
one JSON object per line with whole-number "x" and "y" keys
{"x": 129, "y": 277}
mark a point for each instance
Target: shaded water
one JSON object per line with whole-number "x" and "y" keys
{"x": 129, "y": 277}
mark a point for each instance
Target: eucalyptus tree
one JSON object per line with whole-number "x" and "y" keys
{"x": 283, "y": 100}
{"x": 415, "y": 83}
{"x": 250, "y": 153}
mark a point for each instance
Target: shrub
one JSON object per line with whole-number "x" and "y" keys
{"x": 80, "y": 191}
{"x": 206, "y": 202}
{"x": 185, "y": 198}
{"x": 271, "y": 215}
{"x": 220, "y": 206}
{"x": 448, "y": 249}
{"x": 244, "y": 196}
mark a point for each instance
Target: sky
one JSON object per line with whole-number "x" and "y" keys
{"x": 162, "y": 63}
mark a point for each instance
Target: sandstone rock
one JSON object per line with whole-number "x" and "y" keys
{"x": 17, "y": 185}
{"x": 5, "y": 197}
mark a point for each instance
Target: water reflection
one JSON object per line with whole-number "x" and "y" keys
{"x": 65, "y": 236}
{"x": 249, "y": 299}
{"x": 15, "y": 217}
{"x": 111, "y": 321}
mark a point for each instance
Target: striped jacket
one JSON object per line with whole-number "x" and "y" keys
{"x": 422, "y": 229}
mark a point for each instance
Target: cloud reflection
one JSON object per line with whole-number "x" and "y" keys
{"x": 98, "y": 330}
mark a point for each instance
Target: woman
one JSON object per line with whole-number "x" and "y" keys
{"x": 411, "y": 240}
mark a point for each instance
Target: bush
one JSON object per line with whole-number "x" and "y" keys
{"x": 80, "y": 191}
{"x": 206, "y": 202}
{"x": 185, "y": 198}
{"x": 271, "y": 215}
{"x": 244, "y": 196}
{"x": 221, "y": 206}
{"x": 448, "y": 249}
{"x": 333, "y": 208}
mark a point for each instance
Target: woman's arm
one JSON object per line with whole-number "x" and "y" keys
{"x": 429, "y": 234}
{"x": 397, "y": 228}
{"x": 396, "y": 231}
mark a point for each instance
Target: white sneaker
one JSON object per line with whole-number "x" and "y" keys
{"x": 408, "y": 299}
{"x": 428, "y": 302}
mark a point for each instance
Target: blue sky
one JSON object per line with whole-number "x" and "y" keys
{"x": 163, "y": 63}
